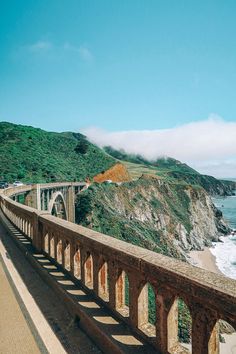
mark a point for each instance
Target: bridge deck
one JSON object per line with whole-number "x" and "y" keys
{"x": 35, "y": 322}
{"x": 16, "y": 335}
{"x": 102, "y": 320}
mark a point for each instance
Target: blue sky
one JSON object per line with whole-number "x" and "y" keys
{"x": 117, "y": 65}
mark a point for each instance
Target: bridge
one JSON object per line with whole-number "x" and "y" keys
{"x": 56, "y": 198}
{"x": 104, "y": 282}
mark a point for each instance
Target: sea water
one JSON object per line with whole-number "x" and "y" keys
{"x": 225, "y": 251}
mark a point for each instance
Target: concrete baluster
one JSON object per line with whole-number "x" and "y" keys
{"x": 63, "y": 249}
{"x": 134, "y": 291}
{"x": 112, "y": 273}
{"x": 87, "y": 268}
{"x": 72, "y": 255}
{"x": 205, "y": 335}
{"x": 55, "y": 247}
{"x": 96, "y": 266}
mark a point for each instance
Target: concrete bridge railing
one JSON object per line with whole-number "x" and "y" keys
{"x": 110, "y": 267}
{"x": 58, "y": 198}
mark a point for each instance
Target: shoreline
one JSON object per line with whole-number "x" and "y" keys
{"x": 206, "y": 260}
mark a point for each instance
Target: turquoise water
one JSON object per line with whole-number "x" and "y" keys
{"x": 225, "y": 251}
{"x": 228, "y": 207}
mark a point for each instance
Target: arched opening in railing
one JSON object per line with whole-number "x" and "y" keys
{"x": 67, "y": 255}
{"x": 223, "y": 338}
{"x": 45, "y": 244}
{"x": 17, "y": 221}
{"x": 23, "y": 226}
{"x": 103, "y": 282}
{"x": 179, "y": 324}
{"x": 147, "y": 310}
{"x": 52, "y": 246}
{"x": 59, "y": 251}
{"x": 88, "y": 271}
{"x": 77, "y": 263}
{"x": 29, "y": 233}
{"x": 26, "y": 227}
{"x": 122, "y": 293}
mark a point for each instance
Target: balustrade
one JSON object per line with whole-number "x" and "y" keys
{"x": 123, "y": 275}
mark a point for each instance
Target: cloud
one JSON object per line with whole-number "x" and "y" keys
{"x": 40, "y": 46}
{"x": 43, "y": 46}
{"x": 84, "y": 53}
{"x": 208, "y": 145}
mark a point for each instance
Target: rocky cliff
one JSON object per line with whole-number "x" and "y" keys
{"x": 172, "y": 169}
{"x": 211, "y": 184}
{"x": 171, "y": 218}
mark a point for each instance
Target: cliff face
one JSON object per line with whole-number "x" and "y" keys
{"x": 212, "y": 185}
{"x": 165, "y": 217}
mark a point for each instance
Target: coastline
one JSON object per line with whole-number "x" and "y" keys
{"x": 206, "y": 260}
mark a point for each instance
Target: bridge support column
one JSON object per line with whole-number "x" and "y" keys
{"x": 48, "y": 198}
{"x": 70, "y": 201}
{"x": 32, "y": 198}
{"x": 38, "y": 197}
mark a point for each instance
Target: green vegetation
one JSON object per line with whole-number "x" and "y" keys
{"x": 123, "y": 156}
{"x": 184, "y": 322}
{"x": 34, "y": 155}
{"x": 147, "y": 212}
{"x": 162, "y": 164}
{"x": 114, "y": 210}
{"x": 84, "y": 207}
{"x": 151, "y": 305}
{"x": 184, "y": 317}
{"x": 173, "y": 170}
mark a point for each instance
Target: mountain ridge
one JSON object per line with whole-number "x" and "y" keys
{"x": 172, "y": 169}
{"x": 34, "y": 155}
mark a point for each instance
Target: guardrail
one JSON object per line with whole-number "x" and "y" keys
{"x": 110, "y": 267}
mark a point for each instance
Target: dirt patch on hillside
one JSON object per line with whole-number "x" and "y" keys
{"x": 117, "y": 173}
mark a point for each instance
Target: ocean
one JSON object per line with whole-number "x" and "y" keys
{"x": 225, "y": 251}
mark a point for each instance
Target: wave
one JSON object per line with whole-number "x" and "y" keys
{"x": 225, "y": 253}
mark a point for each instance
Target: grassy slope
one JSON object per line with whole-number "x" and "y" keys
{"x": 34, "y": 155}
{"x": 172, "y": 170}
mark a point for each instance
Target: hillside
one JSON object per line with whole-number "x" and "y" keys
{"x": 164, "y": 208}
{"x": 164, "y": 217}
{"x": 117, "y": 173}
{"x": 172, "y": 170}
{"x": 34, "y": 155}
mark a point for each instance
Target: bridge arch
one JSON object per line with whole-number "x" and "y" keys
{"x": 57, "y": 205}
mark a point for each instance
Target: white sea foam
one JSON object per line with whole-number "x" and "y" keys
{"x": 225, "y": 253}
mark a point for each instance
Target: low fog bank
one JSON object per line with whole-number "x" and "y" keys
{"x": 209, "y": 146}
